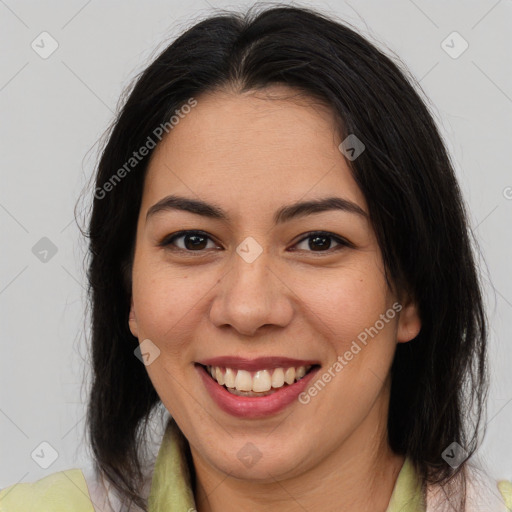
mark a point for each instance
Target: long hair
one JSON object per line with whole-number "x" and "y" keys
{"x": 439, "y": 379}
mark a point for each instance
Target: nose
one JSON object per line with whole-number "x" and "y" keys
{"x": 250, "y": 296}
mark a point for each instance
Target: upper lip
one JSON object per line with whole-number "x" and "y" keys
{"x": 241, "y": 363}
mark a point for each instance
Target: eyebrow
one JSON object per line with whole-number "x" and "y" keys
{"x": 284, "y": 214}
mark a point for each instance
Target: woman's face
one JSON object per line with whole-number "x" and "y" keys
{"x": 253, "y": 295}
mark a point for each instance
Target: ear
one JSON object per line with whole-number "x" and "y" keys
{"x": 132, "y": 321}
{"x": 409, "y": 322}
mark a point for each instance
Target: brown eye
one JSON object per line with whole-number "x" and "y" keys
{"x": 320, "y": 241}
{"x": 197, "y": 241}
{"x": 193, "y": 241}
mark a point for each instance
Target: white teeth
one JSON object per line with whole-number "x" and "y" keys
{"x": 289, "y": 375}
{"x": 229, "y": 378}
{"x": 301, "y": 371}
{"x": 278, "y": 378}
{"x": 243, "y": 381}
{"x": 261, "y": 381}
{"x": 219, "y": 377}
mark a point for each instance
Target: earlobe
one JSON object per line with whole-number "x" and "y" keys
{"x": 132, "y": 321}
{"x": 409, "y": 323}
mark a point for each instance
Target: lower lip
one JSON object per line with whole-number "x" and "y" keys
{"x": 254, "y": 407}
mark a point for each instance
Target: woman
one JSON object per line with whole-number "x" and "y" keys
{"x": 280, "y": 258}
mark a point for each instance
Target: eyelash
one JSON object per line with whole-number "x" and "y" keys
{"x": 168, "y": 241}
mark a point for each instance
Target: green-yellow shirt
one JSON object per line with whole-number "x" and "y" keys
{"x": 171, "y": 491}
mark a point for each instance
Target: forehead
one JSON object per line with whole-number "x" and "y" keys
{"x": 256, "y": 149}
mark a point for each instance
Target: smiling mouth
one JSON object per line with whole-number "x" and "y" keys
{"x": 256, "y": 383}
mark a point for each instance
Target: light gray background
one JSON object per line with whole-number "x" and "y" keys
{"x": 54, "y": 110}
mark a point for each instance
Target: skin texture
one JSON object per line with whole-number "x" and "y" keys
{"x": 250, "y": 154}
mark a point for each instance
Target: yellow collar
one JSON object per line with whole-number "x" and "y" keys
{"x": 171, "y": 489}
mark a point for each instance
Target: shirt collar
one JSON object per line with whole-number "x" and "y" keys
{"x": 171, "y": 489}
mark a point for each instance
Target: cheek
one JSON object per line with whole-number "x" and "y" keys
{"x": 167, "y": 302}
{"x": 356, "y": 320}
{"x": 345, "y": 303}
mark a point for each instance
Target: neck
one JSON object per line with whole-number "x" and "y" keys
{"x": 359, "y": 475}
